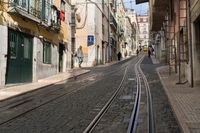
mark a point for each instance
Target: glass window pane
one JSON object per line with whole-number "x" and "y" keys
{"x": 26, "y": 48}
{"x": 13, "y": 45}
{"x": 46, "y": 53}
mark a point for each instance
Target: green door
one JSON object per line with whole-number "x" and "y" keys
{"x": 19, "y": 64}
{"x": 61, "y": 51}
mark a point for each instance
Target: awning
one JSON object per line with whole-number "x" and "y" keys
{"x": 141, "y": 1}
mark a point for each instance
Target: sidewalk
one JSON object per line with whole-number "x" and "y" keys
{"x": 14, "y": 91}
{"x": 184, "y": 100}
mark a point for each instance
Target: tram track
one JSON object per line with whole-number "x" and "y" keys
{"x": 132, "y": 128}
{"x": 54, "y": 90}
{"x": 98, "y": 117}
{"x": 106, "y": 107}
{"x": 133, "y": 123}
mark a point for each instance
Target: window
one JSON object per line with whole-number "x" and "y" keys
{"x": 13, "y": 42}
{"x": 46, "y": 7}
{"x": 46, "y": 52}
{"x": 62, "y": 5}
{"x": 26, "y": 48}
{"x": 22, "y": 3}
{"x": 54, "y": 16}
{"x": 35, "y": 8}
{"x": 103, "y": 29}
{"x": 38, "y": 8}
{"x": 103, "y": 4}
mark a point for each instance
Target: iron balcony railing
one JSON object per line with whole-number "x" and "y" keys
{"x": 113, "y": 42}
{"x": 113, "y": 21}
{"x": 37, "y": 8}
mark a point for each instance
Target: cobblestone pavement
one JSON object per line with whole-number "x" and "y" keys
{"x": 142, "y": 124}
{"x": 65, "y": 107}
{"x": 69, "y": 106}
{"x": 163, "y": 114}
{"x": 116, "y": 119}
{"x": 184, "y": 99}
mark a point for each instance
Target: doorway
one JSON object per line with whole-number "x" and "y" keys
{"x": 61, "y": 52}
{"x": 20, "y": 53}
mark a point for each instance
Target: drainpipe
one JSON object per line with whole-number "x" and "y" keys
{"x": 73, "y": 30}
{"x": 190, "y": 44}
{"x": 174, "y": 46}
{"x": 108, "y": 54}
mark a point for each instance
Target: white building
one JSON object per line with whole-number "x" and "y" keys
{"x": 143, "y": 22}
{"x": 89, "y": 34}
{"x": 134, "y": 21}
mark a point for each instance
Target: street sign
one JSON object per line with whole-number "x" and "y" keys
{"x": 90, "y": 40}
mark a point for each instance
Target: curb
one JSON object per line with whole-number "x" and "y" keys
{"x": 45, "y": 86}
{"x": 184, "y": 128}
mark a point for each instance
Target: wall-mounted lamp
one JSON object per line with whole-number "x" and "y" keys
{"x": 41, "y": 37}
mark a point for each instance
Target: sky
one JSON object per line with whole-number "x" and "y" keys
{"x": 139, "y": 8}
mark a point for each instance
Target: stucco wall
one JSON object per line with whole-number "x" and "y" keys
{"x": 45, "y": 70}
{"x": 196, "y": 60}
{"x": 14, "y": 20}
{"x": 3, "y": 53}
{"x": 196, "y": 41}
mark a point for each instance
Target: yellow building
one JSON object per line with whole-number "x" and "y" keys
{"x": 34, "y": 39}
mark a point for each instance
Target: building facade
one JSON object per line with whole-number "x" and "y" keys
{"x": 92, "y": 31}
{"x": 195, "y": 31}
{"x": 121, "y": 21}
{"x": 179, "y": 25}
{"x": 35, "y": 40}
{"x": 134, "y": 21}
{"x": 130, "y": 38}
{"x": 113, "y": 34}
{"x": 143, "y": 22}
{"x": 105, "y": 32}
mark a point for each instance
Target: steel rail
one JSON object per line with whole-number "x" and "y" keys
{"x": 134, "y": 116}
{"x": 55, "y": 98}
{"x": 133, "y": 122}
{"x": 98, "y": 117}
{"x": 151, "y": 122}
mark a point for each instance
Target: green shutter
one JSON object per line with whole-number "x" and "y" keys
{"x": 46, "y": 53}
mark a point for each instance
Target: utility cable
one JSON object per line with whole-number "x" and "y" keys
{"x": 86, "y": 12}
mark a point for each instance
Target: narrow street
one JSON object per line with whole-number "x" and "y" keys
{"x": 69, "y": 106}
{"x": 99, "y": 66}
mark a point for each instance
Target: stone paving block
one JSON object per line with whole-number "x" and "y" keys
{"x": 17, "y": 90}
{"x": 184, "y": 100}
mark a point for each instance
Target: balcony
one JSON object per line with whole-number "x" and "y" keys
{"x": 39, "y": 11}
{"x": 121, "y": 30}
{"x": 24, "y": 9}
{"x": 112, "y": 41}
{"x": 113, "y": 22}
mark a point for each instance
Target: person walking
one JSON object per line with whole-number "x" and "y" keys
{"x": 137, "y": 51}
{"x": 149, "y": 52}
{"x": 119, "y": 55}
{"x": 80, "y": 56}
